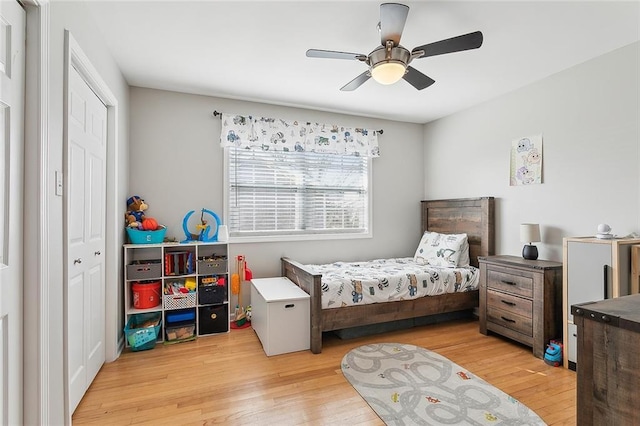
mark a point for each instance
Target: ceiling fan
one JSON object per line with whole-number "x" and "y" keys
{"x": 389, "y": 62}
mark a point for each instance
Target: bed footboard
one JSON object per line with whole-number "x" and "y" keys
{"x": 311, "y": 284}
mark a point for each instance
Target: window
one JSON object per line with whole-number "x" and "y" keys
{"x": 301, "y": 194}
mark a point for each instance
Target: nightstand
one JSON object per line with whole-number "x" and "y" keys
{"x": 521, "y": 299}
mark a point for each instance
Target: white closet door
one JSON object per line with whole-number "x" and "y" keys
{"x": 12, "y": 57}
{"x": 85, "y": 231}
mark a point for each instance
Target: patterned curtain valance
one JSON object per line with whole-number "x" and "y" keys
{"x": 271, "y": 134}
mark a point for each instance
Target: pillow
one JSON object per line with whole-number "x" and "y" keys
{"x": 464, "y": 260}
{"x": 447, "y": 250}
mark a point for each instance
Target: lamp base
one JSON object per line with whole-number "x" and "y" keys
{"x": 530, "y": 252}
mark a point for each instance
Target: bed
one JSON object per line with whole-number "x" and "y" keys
{"x": 472, "y": 216}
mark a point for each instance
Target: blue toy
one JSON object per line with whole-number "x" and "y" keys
{"x": 203, "y": 228}
{"x": 553, "y": 355}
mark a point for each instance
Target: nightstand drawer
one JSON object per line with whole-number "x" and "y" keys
{"x": 510, "y": 283}
{"x": 509, "y": 303}
{"x": 510, "y": 320}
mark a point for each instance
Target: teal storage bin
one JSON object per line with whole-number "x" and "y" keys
{"x": 137, "y": 236}
{"x": 143, "y": 338}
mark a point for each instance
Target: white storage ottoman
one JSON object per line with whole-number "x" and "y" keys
{"x": 280, "y": 315}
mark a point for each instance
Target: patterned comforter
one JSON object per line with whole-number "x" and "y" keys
{"x": 385, "y": 280}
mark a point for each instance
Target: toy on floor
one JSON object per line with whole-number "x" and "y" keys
{"x": 204, "y": 230}
{"x": 242, "y": 315}
{"x": 553, "y": 355}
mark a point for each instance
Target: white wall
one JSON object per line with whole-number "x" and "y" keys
{"x": 44, "y": 378}
{"x": 176, "y": 166}
{"x": 588, "y": 116}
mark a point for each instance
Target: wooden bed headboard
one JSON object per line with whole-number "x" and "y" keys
{"x": 472, "y": 216}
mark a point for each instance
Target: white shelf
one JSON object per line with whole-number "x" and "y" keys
{"x": 199, "y": 260}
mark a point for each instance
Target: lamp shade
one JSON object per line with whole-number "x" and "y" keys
{"x": 529, "y": 233}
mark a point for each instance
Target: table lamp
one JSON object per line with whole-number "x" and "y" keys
{"x": 529, "y": 233}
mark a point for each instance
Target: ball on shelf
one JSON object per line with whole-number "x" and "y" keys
{"x": 149, "y": 224}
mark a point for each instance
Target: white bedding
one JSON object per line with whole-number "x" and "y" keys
{"x": 384, "y": 280}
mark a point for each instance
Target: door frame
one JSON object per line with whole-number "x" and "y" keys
{"x": 38, "y": 388}
{"x": 75, "y": 57}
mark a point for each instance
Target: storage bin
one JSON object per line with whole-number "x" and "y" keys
{"x": 179, "y": 301}
{"x": 137, "y": 236}
{"x": 211, "y": 294}
{"x": 173, "y": 317}
{"x": 146, "y": 294}
{"x": 144, "y": 271}
{"x": 142, "y": 330}
{"x": 212, "y": 266}
{"x": 213, "y": 319}
{"x": 280, "y": 315}
{"x": 181, "y": 331}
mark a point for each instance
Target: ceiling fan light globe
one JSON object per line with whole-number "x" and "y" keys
{"x": 388, "y": 72}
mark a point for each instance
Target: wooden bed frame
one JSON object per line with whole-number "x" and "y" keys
{"x": 473, "y": 216}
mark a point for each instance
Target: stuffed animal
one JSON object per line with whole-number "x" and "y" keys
{"x": 135, "y": 213}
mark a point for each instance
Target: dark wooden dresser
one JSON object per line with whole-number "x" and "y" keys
{"x": 608, "y": 368}
{"x": 521, "y": 299}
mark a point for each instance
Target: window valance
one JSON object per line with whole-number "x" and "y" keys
{"x": 272, "y": 134}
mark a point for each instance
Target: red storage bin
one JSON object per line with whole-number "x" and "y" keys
{"x": 146, "y": 295}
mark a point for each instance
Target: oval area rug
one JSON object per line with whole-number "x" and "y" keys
{"x": 409, "y": 385}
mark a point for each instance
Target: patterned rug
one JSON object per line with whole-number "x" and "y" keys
{"x": 408, "y": 385}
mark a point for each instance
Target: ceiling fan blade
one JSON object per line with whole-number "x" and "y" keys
{"x": 331, "y": 54}
{"x": 392, "y": 19}
{"x": 356, "y": 82}
{"x": 417, "y": 79}
{"x": 450, "y": 45}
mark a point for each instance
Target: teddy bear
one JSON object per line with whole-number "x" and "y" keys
{"x": 135, "y": 212}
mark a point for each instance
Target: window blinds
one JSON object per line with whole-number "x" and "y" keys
{"x": 288, "y": 193}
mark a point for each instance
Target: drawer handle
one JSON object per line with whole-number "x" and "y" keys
{"x": 288, "y": 306}
{"x": 508, "y": 303}
{"x": 508, "y": 319}
{"x": 508, "y": 282}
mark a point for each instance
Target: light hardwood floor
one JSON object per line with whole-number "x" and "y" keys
{"x": 227, "y": 379}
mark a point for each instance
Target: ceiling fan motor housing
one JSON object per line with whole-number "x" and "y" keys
{"x": 391, "y": 57}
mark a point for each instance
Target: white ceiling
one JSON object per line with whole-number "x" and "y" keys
{"x": 255, "y": 50}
